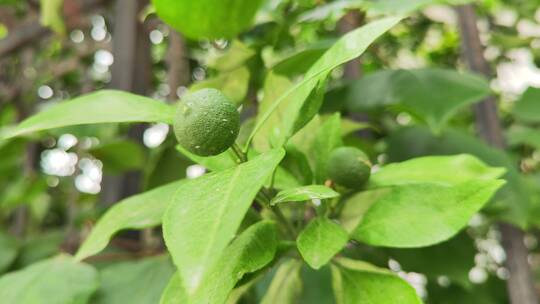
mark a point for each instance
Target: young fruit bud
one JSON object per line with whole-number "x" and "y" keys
{"x": 349, "y": 167}
{"x": 206, "y": 122}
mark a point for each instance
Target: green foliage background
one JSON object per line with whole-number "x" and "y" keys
{"x": 264, "y": 223}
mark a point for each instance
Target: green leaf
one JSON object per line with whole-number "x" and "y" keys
{"x": 8, "y": 251}
{"x": 299, "y": 61}
{"x": 357, "y": 282}
{"x": 218, "y": 162}
{"x": 527, "y": 108}
{"x": 350, "y": 46}
{"x": 40, "y": 246}
{"x": 269, "y": 132}
{"x": 236, "y": 295}
{"x": 306, "y": 108}
{"x": 421, "y": 170}
{"x": 393, "y": 7}
{"x": 286, "y": 285}
{"x": 119, "y": 156}
{"x": 252, "y": 250}
{"x": 134, "y": 282}
{"x": 444, "y": 170}
{"x": 159, "y": 164}
{"x": 304, "y": 139}
{"x": 59, "y": 280}
{"x": 520, "y": 135}
{"x": 234, "y": 84}
{"x": 104, "y": 106}
{"x": 320, "y": 241}
{"x": 512, "y": 203}
{"x": 206, "y": 212}
{"x": 330, "y": 11}
{"x": 327, "y": 139}
{"x": 135, "y": 212}
{"x": 317, "y": 286}
{"x": 432, "y": 95}
{"x": 208, "y": 19}
{"x": 304, "y": 193}
{"x": 51, "y": 15}
{"x": 282, "y": 178}
{"x": 417, "y": 215}
{"x": 349, "y": 126}
{"x": 356, "y": 206}
{"x": 234, "y": 57}
{"x": 3, "y": 31}
{"x": 296, "y": 162}
{"x": 174, "y": 292}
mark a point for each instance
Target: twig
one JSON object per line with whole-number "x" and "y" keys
{"x": 242, "y": 157}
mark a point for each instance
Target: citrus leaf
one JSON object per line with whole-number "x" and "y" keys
{"x": 119, "y": 156}
{"x": 329, "y": 11}
{"x": 327, "y": 139}
{"x": 520, "y": 135}
{"x": 106, "y": 106}
{"x": 233, "y": 84}
{"x": 8, "y": 252}
{"x": 218, "y": 162}
{"x": 393, "y": 7}
{"x": 252, "y": 250}
{"x": 58, "y": 280}
{"x": 135, "y": 212}
{"x": 297, "y": 163}
{"x": 320, "y": 241}
{"x": 513, "y": 202}
{"x": 299, "y": 61}
{"x": 286, "y": 285}
{"x": 234, "y": 57}
{"x": 432, "y": 95}
{"x": 357, "y": 282}
{"x": 206, "y": 212}
{"x": 527, "y": 108}
{"x": 418, "y": 215}
{"x": 304, "y": 193}
{"x": 51, "y": 15}
{"x": 444, "y": 170}
{"x": 39, "y": 247}
{"x": 282, "y": 178}
{"x": 350, "y": 46}
{"x": 3, "y": 31}
{"x": 317, "y": 286}
{"x": 269, "y": 132}
{"x": 208, "y": 19}
{"x": 134, "y": 282}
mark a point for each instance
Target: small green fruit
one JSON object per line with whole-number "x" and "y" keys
{"x": 349, "y": 167}
{"x": 206, "y": 123}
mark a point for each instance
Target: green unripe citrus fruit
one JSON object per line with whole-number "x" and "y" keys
{"x": 349, "y": 167}
{"x": 206, "y": 122}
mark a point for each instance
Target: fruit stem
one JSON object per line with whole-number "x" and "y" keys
{"x": 242, "y": 157}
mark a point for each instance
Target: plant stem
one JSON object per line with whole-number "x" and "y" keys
{"x": 281, "y": 217}
{"x": 242, "y": 157}
{"x": 265, "y": 199}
